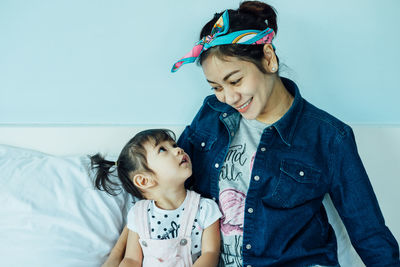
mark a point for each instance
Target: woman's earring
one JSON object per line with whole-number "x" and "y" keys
{"x": 273, "y": 68}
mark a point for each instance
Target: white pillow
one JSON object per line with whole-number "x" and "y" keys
{"x": 50, "y": 213}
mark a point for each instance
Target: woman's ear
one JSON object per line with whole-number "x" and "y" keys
{"x": 143, "y": 181}
{"x": 270, "y": 60}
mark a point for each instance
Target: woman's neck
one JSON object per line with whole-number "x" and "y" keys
{"x": 278, "y": 103}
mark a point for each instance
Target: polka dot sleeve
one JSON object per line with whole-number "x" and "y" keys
{"x": 209, "y": 212}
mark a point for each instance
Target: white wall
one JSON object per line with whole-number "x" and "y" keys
{"x": 108, "y": 62}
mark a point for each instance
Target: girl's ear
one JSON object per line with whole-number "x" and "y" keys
{"x": 270, "y": 61}
{"x": 143, "y": 181}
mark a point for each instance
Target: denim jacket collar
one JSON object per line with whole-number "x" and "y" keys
{"x": 286, "y": 125}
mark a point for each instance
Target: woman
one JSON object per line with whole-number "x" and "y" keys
{"x": 268, "y": 157}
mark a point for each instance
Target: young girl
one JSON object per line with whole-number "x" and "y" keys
{"x": 172, "y": 226}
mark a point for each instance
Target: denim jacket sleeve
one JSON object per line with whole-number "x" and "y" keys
{"x": 354, "y": 198}
{"x": 184, "y": 140}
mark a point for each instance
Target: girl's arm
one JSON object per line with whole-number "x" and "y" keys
{"x": 133, "y": 254}
{"x": 118, "y": 252}
{"x": 210, "y": 246}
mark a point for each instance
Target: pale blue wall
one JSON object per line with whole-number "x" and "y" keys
{"x": 108, "y": 62}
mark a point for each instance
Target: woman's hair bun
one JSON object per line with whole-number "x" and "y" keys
{"x": 261, "y": 11}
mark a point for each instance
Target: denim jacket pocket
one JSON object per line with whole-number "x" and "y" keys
{"x": 297, "y": 184}
{"x": 202, "y": 141}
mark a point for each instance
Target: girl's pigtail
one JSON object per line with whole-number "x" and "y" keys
{"x": 103, "y": 175}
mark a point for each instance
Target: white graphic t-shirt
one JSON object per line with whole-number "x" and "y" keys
{"x": 234, "y": 182}
{"x": 164, "y": 224}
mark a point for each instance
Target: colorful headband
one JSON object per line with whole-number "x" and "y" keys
{"x": 218, "y": 36}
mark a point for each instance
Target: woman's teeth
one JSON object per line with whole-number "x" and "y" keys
{"x": 245, "y": 104}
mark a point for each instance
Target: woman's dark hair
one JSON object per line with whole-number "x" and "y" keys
{"x": 131, "y": 161}
{"x": 251, "y": 15}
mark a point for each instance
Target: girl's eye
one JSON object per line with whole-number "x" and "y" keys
{"x": 162, "y": 149}
{"x": 174, "y": 145}
{"x": 236, "y": 82}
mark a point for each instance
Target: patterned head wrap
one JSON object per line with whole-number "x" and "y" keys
{"x": 219, "y": 36}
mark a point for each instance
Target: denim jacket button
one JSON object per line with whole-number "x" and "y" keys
{"x": 216, "y": 165}
{"x": 224, "y": 115}
{"x": 250, "y": 210}
{"x": 203, "y": 144}
{"x": 263, "y": 149}
{"x": 248, "y": 246}
{"x": 256, "y": 177}
{"x": 249, "y": 266}
{"x": 301, "y": 173}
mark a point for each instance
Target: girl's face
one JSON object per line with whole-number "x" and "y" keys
{"x": 239, "y": 84}
{"x": 170, "y": 164}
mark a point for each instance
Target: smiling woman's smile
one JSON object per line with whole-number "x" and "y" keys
{"x": 243, "y": 108}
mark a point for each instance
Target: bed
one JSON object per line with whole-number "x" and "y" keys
{"x": 50, "y": 214}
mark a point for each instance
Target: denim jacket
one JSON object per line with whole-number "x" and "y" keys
{"x": 300, "y": 158}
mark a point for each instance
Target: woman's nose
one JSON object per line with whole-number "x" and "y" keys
{"x": 231, "y": 96}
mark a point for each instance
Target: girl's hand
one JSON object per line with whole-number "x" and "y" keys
{"x": 133, "y": 252}
{"x": 118, "y": 252}
{"x": 210, "y": 246}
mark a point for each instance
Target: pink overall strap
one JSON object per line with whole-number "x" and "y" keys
{"x": 141, "y": 220}
{"x": 189, "y": 214}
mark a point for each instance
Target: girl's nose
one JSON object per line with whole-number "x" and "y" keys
{"x": 179, "y": 150}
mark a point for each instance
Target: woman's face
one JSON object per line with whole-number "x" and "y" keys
{"x": 239, "y": 84}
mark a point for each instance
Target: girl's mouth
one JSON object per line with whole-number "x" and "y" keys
{"x": 243, "y": 108}
{"x": 185, "y": 159}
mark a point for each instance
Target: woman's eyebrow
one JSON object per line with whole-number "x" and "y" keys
{"x": 227, "y": 76}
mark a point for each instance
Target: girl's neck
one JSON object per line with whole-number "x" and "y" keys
{"x": 169, "y": 199}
